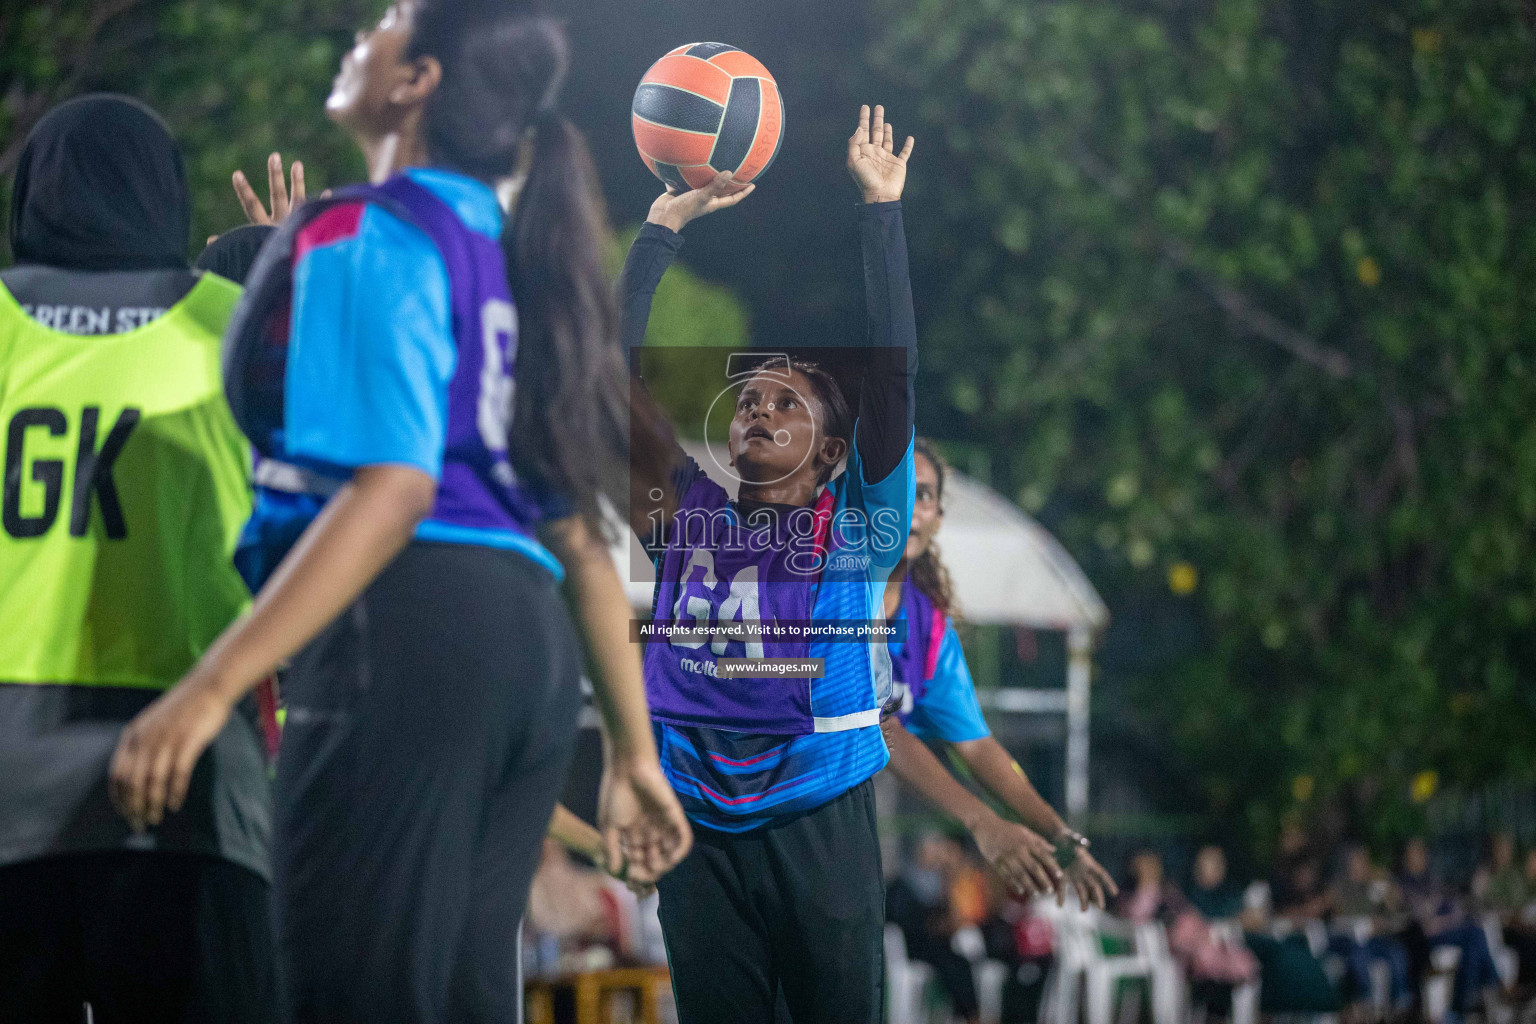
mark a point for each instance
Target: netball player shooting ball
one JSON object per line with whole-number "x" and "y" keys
{"x": 938, "y": 702}
{"x": 433, "y": 689}
{"x": 783, "y": 887}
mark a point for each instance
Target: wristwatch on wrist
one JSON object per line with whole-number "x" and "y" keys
{"x": 1068, "y": 842}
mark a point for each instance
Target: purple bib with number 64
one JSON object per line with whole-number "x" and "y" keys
{"x": 718, "y": 569}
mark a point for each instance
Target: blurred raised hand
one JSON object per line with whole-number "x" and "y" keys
{"x": 282, "y": 198}
{"x": 1093, "y": 885}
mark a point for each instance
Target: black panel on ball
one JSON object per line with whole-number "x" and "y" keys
{"x": 739, "y": 128}
{"x": 671, "y": 176}
{"x": 677, "y": 108}
{"x": 707, "y": 50}
{"x": 779, "y": 142}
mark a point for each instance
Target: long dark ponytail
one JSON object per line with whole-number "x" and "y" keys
{"x": 492, "y": 116}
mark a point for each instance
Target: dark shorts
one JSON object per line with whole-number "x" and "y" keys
{"x": 143, "y": 938}
{"x": 428, "y": 733}
{"x": 797, "y": 905}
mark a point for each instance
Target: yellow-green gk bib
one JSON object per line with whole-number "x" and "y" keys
{"x": 126, "y": 486}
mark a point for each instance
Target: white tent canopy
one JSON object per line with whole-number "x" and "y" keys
{"x": 1007, "y": 568}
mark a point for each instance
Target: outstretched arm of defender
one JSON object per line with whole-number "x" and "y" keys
{"x": 1000, "y": 773}
{"x": 281, "y": 199}
{"x": 1021, "y": 858}
{"x": 359, "y": 532}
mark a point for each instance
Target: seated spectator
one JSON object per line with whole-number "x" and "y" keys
{"x": 1294, "y": 982}
{"x": 1439, "y": 919}
{"x": 1150, "y": 896}
{"x": 1212, "y": 893}
{"x": 1501, "y": 885}
{"x": 1528, "y": 915}
{"x": 1299, "y": 895}
{"x": 1212, "y": 965}
{"x": 1524, "y": 923}
{"x": 918, "y": 902}
{"x": 1292, "y": 847}
{"x": 970, "y": 897}
{"x": 1507, "y": 890}
{"x": 1362, "y": 932}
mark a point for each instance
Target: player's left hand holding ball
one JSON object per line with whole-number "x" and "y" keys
{"x": 642, "y": 823}
{"x": 156, "y": 753}
{"x": 673, "y": 209}
{"x": 879, "y": 171}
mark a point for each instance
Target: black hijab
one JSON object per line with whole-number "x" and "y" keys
{"x": 101, "y": 186}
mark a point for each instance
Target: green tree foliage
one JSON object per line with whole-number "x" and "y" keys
{"x": 1245, "y": 288}
{"x": 236, "y": 79}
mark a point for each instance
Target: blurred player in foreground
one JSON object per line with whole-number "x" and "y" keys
{"x": 432, "y": 695}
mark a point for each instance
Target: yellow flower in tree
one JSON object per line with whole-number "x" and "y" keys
{"x": 1302, "y": 787}
{"x": 1369, "y": 272}
{"x": 1424, "y": 786}
{"x": 1183, "y": 578}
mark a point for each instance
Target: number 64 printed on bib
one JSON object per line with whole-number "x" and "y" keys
{"x": 703, "y": 603}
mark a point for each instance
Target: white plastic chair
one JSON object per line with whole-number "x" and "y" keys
{"x": 1064, "y": 983}
{"x": 1245, "y": 1003}
{"x": 991, "y": 976}
{"x": 1245, "y": 997}
{"x": 1505, "y": 959}
{"x": 1170, "y": 988}
{"x": 1103, "y": 972}
{"x": 1438, "y": 987}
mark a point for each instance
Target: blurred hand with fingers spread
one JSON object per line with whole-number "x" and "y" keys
{"x": 1022, "y": 859}
{"x": 1093, "y": 885}
{"x": 282, "y": 198}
